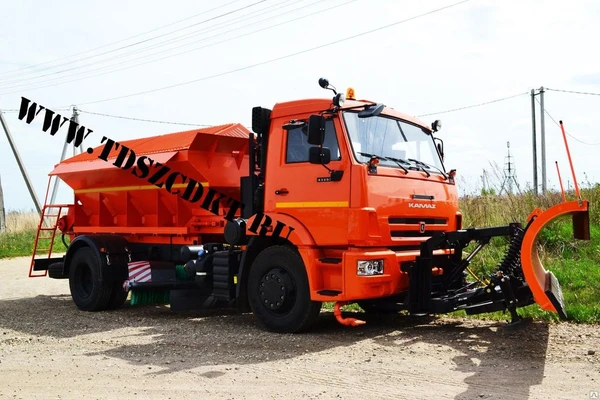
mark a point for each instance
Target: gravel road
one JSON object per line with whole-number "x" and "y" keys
{"x": 51, "y": 350}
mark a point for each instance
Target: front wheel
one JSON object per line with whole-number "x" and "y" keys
{"x": 279, "y": 293}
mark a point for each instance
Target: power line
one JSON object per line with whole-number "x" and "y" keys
{"x": 473, "y": 105}
{"x": 149, "y": 120}
{"x": 142, "y": 119}
{"x": 29, "y": 85}
{"x": 129, "y": 45}
{"x": 31, "y": 80}
{"x": 13, "y": 110}
{"x": 19, "y": 71}
{"x": 573, "y": 91}
{"x": 278, "y": 58}
{"x": 568, "y": 134}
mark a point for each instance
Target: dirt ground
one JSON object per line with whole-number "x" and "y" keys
{"x": 50, "y": 350}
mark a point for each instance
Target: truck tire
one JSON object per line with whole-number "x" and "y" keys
{"x": 89, "y": 290}
{"x": 56, "y": 271}
{"x": 118, "y": 296}
{"x": 279, "y": 293}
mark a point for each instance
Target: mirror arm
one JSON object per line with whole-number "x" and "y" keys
{"x": 327, "y": 168}
{"x": 324, "y": 166}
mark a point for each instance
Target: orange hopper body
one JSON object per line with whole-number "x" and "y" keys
{"x": 109, "y": 199}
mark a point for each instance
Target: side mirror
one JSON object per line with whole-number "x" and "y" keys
{"x": 319, "y": 155}
{"x": 261, "y": 119}
{"x": 316, "y": 130}
{"x": 440, "y": 147}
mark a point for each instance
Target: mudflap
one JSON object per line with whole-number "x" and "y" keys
{"x": 544, "y": 285}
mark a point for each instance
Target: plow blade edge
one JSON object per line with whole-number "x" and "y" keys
{"x": 543, "y": 284}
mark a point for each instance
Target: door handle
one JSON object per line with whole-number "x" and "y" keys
{"x": 281, "y": 191}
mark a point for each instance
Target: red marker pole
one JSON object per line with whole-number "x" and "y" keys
{"x": 562, "y": 128}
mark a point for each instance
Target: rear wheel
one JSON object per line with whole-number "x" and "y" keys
{"x": 117, "y": 296}
{"x": 89, "y": 290}
{"x": 279, "y": 293}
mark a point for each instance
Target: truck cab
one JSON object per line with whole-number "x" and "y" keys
{"x": 362, "y": 186}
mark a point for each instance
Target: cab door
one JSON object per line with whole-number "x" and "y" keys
{"x": 305, "y": 191}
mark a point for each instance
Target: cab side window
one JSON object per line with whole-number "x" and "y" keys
{"x": 297, "y": 144}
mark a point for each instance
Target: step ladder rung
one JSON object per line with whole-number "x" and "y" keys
{"x": 46, "y": 232}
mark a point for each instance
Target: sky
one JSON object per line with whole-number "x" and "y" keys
{"x": 245, "y": 53}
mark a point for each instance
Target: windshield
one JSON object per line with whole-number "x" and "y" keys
{"x": 387, "y": 137}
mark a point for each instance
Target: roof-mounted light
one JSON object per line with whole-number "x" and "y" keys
{"x": 350, "y": 94}
{"x": 339, "y": 99}
{"x": 436, "y": 125}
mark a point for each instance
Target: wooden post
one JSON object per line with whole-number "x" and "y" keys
{"x": 2, "y": 213}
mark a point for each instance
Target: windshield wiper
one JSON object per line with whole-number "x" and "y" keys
{"x": 429, "y": 166}
{"x": 421, "y": 168}
{"x": 396, "y": 160}
{"x": 399, "y": 161}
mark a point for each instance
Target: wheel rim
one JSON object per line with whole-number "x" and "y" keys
{"x": 277, "y": 291}
{"x": 83, "y": 280}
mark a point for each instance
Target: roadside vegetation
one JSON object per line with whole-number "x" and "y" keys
{"x": 20, "y": 234}
{"x": 575, "y": 263}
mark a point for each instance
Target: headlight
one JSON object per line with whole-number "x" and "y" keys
{"x": 369, "y": 267}
{"x": 339, "y": 99}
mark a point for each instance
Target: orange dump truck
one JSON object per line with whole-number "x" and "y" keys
{"x": 337, "y": 200}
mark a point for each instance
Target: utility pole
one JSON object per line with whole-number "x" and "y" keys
{"x": 543, "y": 132}
{"x": 2, "y": 212}
{"x": 36, "y": 202}
{"x": 74, "y": 118}
{"x": 534, "y": 140}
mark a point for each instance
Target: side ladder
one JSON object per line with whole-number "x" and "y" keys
{"x": 46, "y": 233}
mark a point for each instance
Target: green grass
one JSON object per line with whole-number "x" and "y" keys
{"x": 16, "y": 244}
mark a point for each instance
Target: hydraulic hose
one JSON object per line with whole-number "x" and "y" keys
{"x": 337, "y": 311}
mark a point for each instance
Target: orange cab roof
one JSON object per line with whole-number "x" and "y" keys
{"x": 318, "y": 105}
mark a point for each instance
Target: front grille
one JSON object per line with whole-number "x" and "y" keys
{"x": 417, "y": 221}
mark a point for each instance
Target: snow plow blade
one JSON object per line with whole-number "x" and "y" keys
{"x": 543, "y": 284}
